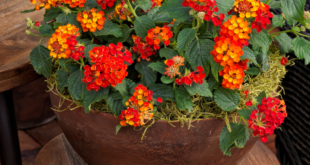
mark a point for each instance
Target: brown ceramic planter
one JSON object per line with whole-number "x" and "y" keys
{"x": 93, "y": 137}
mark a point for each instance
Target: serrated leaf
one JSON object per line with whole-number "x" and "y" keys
{"x": 167, "y": 80}
{"x": 183, "y": 99}
{"x": 226, "y": 99}
{"x": 114, "y": 101}
{"x": 201, "y": 89}
{"x": 62, "y": 76}
{"x": 84, "y": 41}
{"x": 46, "y": 30}
{"x": 245, "y": 113}
{"x": 240, "y": 143}
{"x": 144, "y": 4}
{"x": 126, "y": 33}
{"x": 212, "y": 83}
{"x": 94, "y": 96}
{"x": 72, "y": 19}
{"x": 118, "y": 127}
{"x": 248, "y": 54}
{"x": 301, "y": 49}
{"x": 148, "y": 76}
{"x": 158, "y": 66}
{"x": 215, "y": 68}
{"x": 252, "y": 71}
{"x": 224, "y": 5}
{"x": 64, "y": 61}
{"x": 227, "y": 139}
{"x": 72, "y": 67}
{"x": 143, "y": 24}
{"x": 109, "y": 28}
{"x": 91, "y": 3}
{"x": 28, "y": 11}
{"x": 185, "y": 37}
{"x": 122, "y": 87}
{"x": 168, "y": 53}
{"x": 263, "y": 61}
{"x": 76, "y": 87}
{"x": 285, "y": 43}
{"x": 260, "y": 97}
{"x": 87, "y": 49}
{"x": 63, "y": 18}
{"x": 41, "y": 60}
{"x": 274, "y": 4}
{"x": 294, "y": 9}
{"x": 52, "y": 13}
{"x": 163, "y": 91}
{"x": 159, "y": 16}
{"x": 261, "y": 39}
{"x": 198, "y": 54}
{"x": 176, "y": 10}
{"x": 278, "y": 21}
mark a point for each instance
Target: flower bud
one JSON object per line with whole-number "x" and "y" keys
{"x": 283, "y": 15}
{"x": 28, "y": 32}
{"x": 192, "y": 12}
{"x": 201, "y": 15}
{"x": 66, "y": 10}
{"x": 307, "y": 25}
{"x": 28, "y": 19}
{"x": 302, "y": 28}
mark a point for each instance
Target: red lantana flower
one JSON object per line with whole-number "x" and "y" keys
{"x": 249, "y": 103}
{"x": 284, "y": 60}
{"x": 37, "y": 23}
{"x": 196, "y": 77}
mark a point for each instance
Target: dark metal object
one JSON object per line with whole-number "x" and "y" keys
{"x": 9, "y": 144}
{"x": 93, "y": 138}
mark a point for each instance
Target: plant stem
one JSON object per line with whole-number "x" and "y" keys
{"x": 271, "y": 29}
{"x": 82, "y": 63}
{"x": 130, "y": 8}
{"x": 286, "y": 31}
{"x": 198, "y": 24}
{"x": 91, "y": 35}
{"x": 41, "y": 40}
{"x": 227, "y": 122}
{"x": 268, "y": 2}
{"x": 302, "y": 34}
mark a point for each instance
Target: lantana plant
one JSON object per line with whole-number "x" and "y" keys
{"x": 137, "y": 55}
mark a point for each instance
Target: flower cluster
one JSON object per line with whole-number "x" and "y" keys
{"x": 227, "y": 50}
{"x": 145, "y": 50}
{"x": 139, "y": 107}
{"x": 206, "y": 9}
{"x": 174, "y": 66}
{"x": 157, "y": 35}
{"x": 48, "y": 3}
{"x": 105, "y": 3}
{"x": 120, "y": 12}
{"x": 63, "y": 43}
{"x": 75, "y": 3}
{"x": 109, "y": 66}
{"x": 196, "y": 76}
{"x": 91, "y": 20}
{"x": 270, "y": 114}
{"x": 156, "y": 2}
{"x": 254, "y": 9}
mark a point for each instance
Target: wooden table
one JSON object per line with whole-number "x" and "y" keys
{"x": 59, "y": 152}
{"x": 15, "y": 70}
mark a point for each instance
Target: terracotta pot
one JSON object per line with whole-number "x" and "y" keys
{"x": 93, "y": 137}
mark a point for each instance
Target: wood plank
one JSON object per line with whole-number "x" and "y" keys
{"x": 29, "y": 148}
{"x": 45, "y": 133}
{"x": 271, "y": 143}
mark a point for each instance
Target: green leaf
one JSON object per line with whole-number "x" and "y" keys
{"x": 122, "y": 88}
{"x": 28, "y": 11}
{"x": 176, "y": 10}
{"x": 252, "y": 71}
{"x": 167, "y": 80}
{"x": 114, "y": 101}
{"x": 285, "y": 43}
{"x": 41, "y": 60}
{"x": 263, "y": 61}
{"x": 118, "y": 127}
{"x": 143, "y": 24}
{"x": 274, "y": 4}
{"x": 84, "y": 41}
{"x": 94, "y": 96}
{"x": 227, "y": 139}
{"x": 51, "y": 14}
{"x": 224, "y": 5}
{"x": 185, "y": 36}
{"x": 168, "y": 53}
{"x": 46, "y": 30}
{"x": 278, "y": 21}
{"x": 158, "y": 66}
{"x": 261, "y": 39}
{"x": 212, "y": 83}
{"x": 72, "y": 19}
{"x": 163, "y": 91}
{"x": 148, "y": 76}
{"x": 91, "y": 3}
{"x": 63, "y": 61}
{"x": 183, "y": 99}
{"x": 248, "y": 54}
{"x": 301, "y": 48}
{"x": 198, "y": 54}
{"x": 294, "y": 9}
{"x": 76, "y": 87}
{"x": 260, "y": 97}
{"x": 109, "y": 28}
{"x": 63, "y": 18}
{"x": 144, "y": 4}
{"x": 215, "y": 68}
{"x": 72, "y": 67}
{"x": 126, "y": 33}
{"x": 201, "y": 89}
{"x": 62, "y": 76}
{"x": 245, "y": 113}
{"x": 89, "y": 48}
{"x": 226, "y": 99}
{"x": 159, "y": 16}
{"x": 240, "y": 143}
